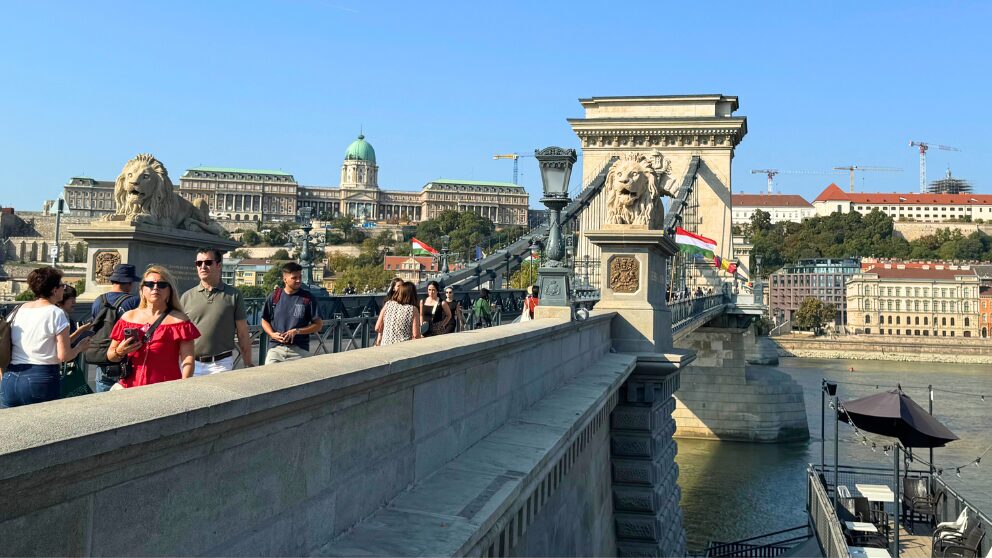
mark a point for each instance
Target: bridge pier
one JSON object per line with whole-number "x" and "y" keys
{"x": 722, "y": 398}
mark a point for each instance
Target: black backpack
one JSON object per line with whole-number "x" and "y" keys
{"x": 103, "y": 325}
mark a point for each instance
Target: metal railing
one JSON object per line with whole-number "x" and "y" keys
{"x": 823, "y": 517}
{"x": 687, "y": 311}
{"x": 768, "y": 545}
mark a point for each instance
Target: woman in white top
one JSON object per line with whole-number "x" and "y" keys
{"x": 39, "y": 334}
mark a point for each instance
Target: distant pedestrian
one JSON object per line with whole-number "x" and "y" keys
{"x": 218, "y": 311}
{"x": 482, "y": 310}
{"x": 434, "y": 312}
{"x": 39, "y": 335}
{"x": 530, "y": 304}
{"x": 393, "y": 286}
{"x": 289, "y": 317}
{"x": 457, "y": 322}
{"x": 156, "y": 338}
{"x": 107, "y": 309}
{"x": 399, "y": 319}
{"x": 350, "y": 289}
{"x": 391, "y": 292}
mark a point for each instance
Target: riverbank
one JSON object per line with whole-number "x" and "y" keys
{"x": 914, "y": 349}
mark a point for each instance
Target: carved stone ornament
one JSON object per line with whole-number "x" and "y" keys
{"x": 554, "y": 288}
{"x": 144, "y": 194}
{"x": 624, "y": 274}
{"x": 103, "y": 265}
{"x": 633, "y": 190}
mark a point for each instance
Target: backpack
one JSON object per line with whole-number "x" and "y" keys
{"x": 103, "y": 325}
{"x": 6, "y": 340}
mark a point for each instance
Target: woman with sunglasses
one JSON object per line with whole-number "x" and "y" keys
{"x": 39, "y": 335}
{"x": 457, "y": 322}
{"x": 167, "y": 353}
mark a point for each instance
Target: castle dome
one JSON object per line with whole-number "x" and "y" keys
{"x": 360, "y": 150}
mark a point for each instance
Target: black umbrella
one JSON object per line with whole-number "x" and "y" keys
{"x": 896, "y": 415}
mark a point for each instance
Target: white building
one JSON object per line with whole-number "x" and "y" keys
{"x": 923, "y": 208}
{"x": 781, "y": 207}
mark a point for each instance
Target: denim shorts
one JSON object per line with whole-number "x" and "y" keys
{"x": 24, "y": 384}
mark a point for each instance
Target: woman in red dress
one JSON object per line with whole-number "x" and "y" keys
{"x": 169, "y": 353}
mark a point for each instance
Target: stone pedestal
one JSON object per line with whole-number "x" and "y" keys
{"x": 111, "y": 243}
{"x": 634, "y": 268}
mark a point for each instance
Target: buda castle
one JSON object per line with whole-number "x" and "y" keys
{"x": 265, "y": 195}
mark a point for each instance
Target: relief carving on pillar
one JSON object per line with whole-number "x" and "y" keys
{"x": 634, "y": 188}
{"x": 624, "y": 274}
{"x": 103, "y": 265}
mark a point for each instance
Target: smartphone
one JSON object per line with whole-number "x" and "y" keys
{"x": 79, "y": 338}
{"x": 132, "y": 332}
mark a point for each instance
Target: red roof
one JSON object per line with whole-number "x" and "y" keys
{"x": 916, "y": 273}
{"x": 427, "y": 262}
{"x": 769, "y": 200}
{"x": 834, "y": 193}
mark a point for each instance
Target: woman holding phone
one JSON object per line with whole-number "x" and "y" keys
{"x": 157, "y": 337}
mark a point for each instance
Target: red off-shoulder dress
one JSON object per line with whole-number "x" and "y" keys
{"x": 158, "y": 360}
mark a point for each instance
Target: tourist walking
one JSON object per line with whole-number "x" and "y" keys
{"x": 434, "y": 314}
{"x": 107, "y": 309}
{"x": 154, "y": 342}
{"x": 530, "y": 304}
{"x": 350, "y": 289}
{"x": 218, "y": 311}
{"x": 289, "y": 317}
{"x": 73, "y": 372}
{"x": 482, "y": 310}
{"x": 457, "y": 323}
{"x": 39, "y": 335}
{"x": 399, "y": 319}
{"x": 391, "y": 292}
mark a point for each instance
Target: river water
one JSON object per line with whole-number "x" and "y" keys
{"x": 731, "y": 490}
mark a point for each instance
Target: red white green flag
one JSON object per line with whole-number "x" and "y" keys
{"x": 419, "y": 248}
{"x": 694, "y": 245}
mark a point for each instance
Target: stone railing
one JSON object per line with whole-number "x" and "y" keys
{"x": 274, "y": 460}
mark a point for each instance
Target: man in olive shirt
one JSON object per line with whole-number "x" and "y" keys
{"x": 218, "y": 311}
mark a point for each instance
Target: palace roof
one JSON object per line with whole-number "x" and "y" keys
{"x": 834, "y": 193}
{"x": 769, "y": 200}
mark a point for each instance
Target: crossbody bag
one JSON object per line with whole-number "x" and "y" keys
{"x": 118, "y": 371}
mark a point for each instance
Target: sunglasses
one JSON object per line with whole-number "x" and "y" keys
{"x": 153, "y": 284}
{"x": 201, "y": 263}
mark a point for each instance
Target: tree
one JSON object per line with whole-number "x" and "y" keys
{"x": 239, "y": 253}
{"x": 525, "y": 276}
{"x": 339, "y": 261}
{"x": 26, "y": 296}
{"x": 761, "y": 221}
{"x": 272, "y": 278}
{"x": 280, "y": 254}
{"x": 79, "y": 253}
{"x": 813, "y": 314}
{"x": 365, "y": 278}
{"x": 80, "y": 286}
{"x": 465, "y": 229}
{"x": 251, "y": 238}
{"x": 253, "y": 291}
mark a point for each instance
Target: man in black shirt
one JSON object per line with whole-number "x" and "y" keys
{"x": 289, "y": 317}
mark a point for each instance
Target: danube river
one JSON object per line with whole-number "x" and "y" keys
{"x": 731, "y": 491}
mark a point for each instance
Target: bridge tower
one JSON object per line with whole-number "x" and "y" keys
{"x": 678, "y": 127}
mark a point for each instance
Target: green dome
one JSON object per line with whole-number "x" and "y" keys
{"x": 360, "y": 150}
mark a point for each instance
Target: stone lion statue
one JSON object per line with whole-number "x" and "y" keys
{"x": 144, "y": 194}
{"x": 634, "y": 188}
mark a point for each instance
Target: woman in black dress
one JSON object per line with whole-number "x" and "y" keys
{"x": 433, "y": 312}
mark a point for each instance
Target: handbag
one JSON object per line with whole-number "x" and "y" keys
{"x": 6, "y": 340}
{"x": 117, "y": 371}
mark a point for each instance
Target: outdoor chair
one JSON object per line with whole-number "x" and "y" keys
{"x": 918, "y": 501}
{"x": 951, "y": 531}
{"x": 848, "y": 509}
{"x": 969, "y": 547}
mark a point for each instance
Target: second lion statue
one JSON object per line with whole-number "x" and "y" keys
{"x": 634, "y": 188}
{"x": 144, "y": 194}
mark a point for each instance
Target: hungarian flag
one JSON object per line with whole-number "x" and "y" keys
{"x": 694, "y": 245}
{"x": 533, "y": 257}
{"x": 418, "y": 248}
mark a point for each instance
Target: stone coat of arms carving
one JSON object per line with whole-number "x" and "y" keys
{"x": 624, "y": 274}
{"x": 103, "y": 265}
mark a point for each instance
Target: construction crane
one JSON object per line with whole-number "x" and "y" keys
{"x": 771, "y": 173}
{"x": 515, "y": 157}
{"x": 852, "y": 168}
{"x": 924, "y": 146}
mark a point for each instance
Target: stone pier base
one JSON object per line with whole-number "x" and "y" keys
{"x": 721, "y": 398}
{"x": 645, "y": 477}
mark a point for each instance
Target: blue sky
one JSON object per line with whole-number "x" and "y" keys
{"x": 440, "y": 87}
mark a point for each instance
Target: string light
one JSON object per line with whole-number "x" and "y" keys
{"x": 958, "y": 472}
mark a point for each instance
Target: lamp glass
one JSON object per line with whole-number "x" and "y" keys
{"x": 305, "y": 212}
{"x": 555, "y": 178}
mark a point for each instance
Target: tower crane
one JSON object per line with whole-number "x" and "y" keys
{"x": 771, "y": 173}
{"x": 515, "y": 157}
{"x": 852, "y": 168}
{"x": 924, "y": 146}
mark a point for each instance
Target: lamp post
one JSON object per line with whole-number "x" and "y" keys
{"x": 759, "y": 287}
{"x": 556, "y": 170}
{"x": 304, "y": 216}
{"x": 445, "y": 239}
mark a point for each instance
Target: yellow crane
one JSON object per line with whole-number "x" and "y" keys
{"x": 515, "y": 157}
{"x": 852, "y": 168}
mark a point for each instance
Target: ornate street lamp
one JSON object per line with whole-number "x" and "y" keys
{"x": 556, "y": 170}
{"x": 445, "y": 239}
{"x": 305, "y": 215}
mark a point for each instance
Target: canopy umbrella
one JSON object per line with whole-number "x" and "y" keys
{"x": 896, "y": 415}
